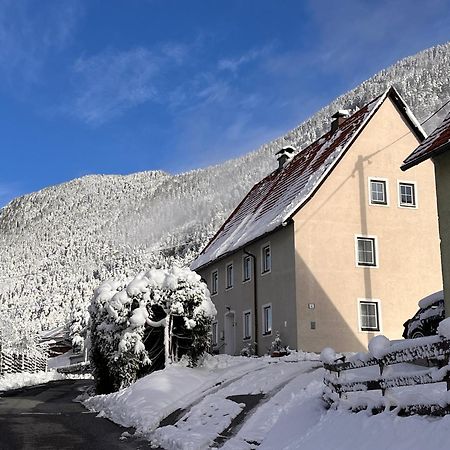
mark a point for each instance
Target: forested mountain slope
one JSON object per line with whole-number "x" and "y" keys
{"x": 56, "y": 244}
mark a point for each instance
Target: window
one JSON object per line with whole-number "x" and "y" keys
{"x": 246, "y": 268}
{"x": 365, "y": 251}
{"x": 214, "y": 282}
{"x": 407, "y": 195}
{"x": 229, "y": 277}
{"x": 368, "y": 316}
{"x": 215, "y": 334}
{"x": 247, "y": 324}
{"x": 267, "y": 319}
{"x": 378, "y": 192}
{"x": 266, "y": 259}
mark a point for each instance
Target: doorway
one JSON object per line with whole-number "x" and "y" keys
{"x": 230, "y": 333}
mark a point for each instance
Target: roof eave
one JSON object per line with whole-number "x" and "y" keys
{"x": 227, "y": 254}
{"x": 420, "y": 159}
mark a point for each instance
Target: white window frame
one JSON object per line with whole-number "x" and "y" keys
{"x": 244, "y": 314}
{"x": 249, "y": 259}
{"x": 229, "y": 282}
{"x": 416, "y": 198}
{"x": 263, "y": 247}
{"x": 379, "y": 315}
{"x": 386, "y": 190}
{"x": 263, "y": 308}
{"x": 214, "y": 292}
{"x": 375, "y": 249}
{"x": 215, "y": 335}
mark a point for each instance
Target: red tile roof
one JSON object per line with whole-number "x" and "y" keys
{"x": 437, "y": 142}
{"x": 273, "y": 201}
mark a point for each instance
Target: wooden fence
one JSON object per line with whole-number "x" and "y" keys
{"x": 22, "y": 362}
{"x": 433, "y": 353}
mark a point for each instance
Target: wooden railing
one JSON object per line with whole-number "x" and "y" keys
{"x": 22, "y": 362}
{"x": 433, "y": 353}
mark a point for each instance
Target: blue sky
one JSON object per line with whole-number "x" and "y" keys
{"x": 124, "y": 86}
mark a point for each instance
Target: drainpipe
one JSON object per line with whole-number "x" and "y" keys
{"x": 255, "y": 299}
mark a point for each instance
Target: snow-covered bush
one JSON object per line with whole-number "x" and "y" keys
{"x": 277, "y": 347}
{"x": 139, "y": 325}
{"x": 248, "y": 350}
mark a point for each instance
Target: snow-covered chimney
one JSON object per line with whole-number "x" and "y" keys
{"x": 284, "y": 155}
{"x": 339, "y": 117}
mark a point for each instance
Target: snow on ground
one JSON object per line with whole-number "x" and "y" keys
{"x": 309, "y": 427}
{"x": 214, "y": 413}
{"x": 18, "y": 380}
{"x": 150, "y": 399}
{"x": 291, "y": 414}
{"x": 305, "y": 390}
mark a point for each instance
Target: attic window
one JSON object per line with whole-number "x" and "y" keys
{"x": 378, "y": 191}
{"x": 407, "y": 195}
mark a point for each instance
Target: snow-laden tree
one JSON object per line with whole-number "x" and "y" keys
{"x": 142, "y": 324}
{"x": 18, "y": 336}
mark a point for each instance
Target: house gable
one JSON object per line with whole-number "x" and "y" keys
{"x": 328, "y": 227}
{"x": 272, "y": 202}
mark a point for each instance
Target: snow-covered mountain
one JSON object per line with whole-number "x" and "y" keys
{"x": 56, "y": 244}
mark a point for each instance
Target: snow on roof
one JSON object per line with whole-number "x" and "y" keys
{"x": 272, "y": 201}
{"x": 54, "y": 333}
{"x": 431, "y": 299}
{"x": 435, "y": 143}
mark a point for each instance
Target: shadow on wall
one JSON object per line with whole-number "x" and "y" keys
{"x": 323, "y": 325}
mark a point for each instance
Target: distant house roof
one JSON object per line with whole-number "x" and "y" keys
{"x": 437, "y": 142}
{"x": 276, "y": 198}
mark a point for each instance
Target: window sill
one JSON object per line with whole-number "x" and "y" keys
{"x": 269, "y": 333}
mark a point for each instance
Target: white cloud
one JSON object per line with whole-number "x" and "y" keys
{"x": 233, "y": 64}
{"x": 112, "y": 82}
{"x": 29, "y": 32}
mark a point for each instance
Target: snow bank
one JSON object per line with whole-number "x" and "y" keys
{"x": 379, "y": 346}
{"x": 431, "y": 299}
{"x": 328, "y": 355}
{"x": 18, "y": 380}
{"x": 152, "y": 398}
{"x": 444, "y": 328}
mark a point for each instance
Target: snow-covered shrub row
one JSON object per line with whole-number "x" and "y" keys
{"x": 141, "y": 324}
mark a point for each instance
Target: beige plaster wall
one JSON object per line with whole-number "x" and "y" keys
{"x": 325, "y": 230}
{"x": 442, "y": 170}
{"x": 276, "y": 287}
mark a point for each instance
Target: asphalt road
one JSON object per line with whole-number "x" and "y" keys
{"x": 46, "y": 417}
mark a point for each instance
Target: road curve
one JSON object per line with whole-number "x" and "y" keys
{"x": 46, "y": 417}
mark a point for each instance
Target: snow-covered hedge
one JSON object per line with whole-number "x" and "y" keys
{"x": 142, "y": 324}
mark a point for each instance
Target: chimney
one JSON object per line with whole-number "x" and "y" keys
{"x": 339, "y": 117}
{"x": 284, "y": 155}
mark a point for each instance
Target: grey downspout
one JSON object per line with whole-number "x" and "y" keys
{"x": 255, "y": 299}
